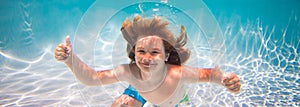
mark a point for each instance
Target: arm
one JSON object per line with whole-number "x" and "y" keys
{"x": 214, "y": 75}
{"x": 194, "y": 75}
{"x": 89, "y": 76}
{"x": 82, "y": 71}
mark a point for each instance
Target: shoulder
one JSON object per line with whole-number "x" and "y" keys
{"x": 180, "y": 69}
{"x": 122, "y": 71}
{"x": 175, "y": 70}
{"x": 126, "y": 71}
{"x": 186, "y": 73}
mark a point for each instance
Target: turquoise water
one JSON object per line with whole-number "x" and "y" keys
{"x": 258, "y": 40}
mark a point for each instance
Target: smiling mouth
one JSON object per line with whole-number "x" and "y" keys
{"x": 147, "y": 65}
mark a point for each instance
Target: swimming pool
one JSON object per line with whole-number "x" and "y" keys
{"x": 259, "y": 41}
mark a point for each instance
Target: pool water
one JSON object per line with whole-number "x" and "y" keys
{"x": 258, "y": 40}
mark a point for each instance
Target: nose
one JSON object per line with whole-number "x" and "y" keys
{"x": 147, "y": 58}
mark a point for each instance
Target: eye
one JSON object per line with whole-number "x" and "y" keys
{"x": 154, "y": 52}
{"x": 141, "y": 51}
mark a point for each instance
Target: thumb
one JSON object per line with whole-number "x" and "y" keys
{"x": 68, "y": 42}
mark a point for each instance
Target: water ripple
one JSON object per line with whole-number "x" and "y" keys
{"x": 266, "y": 57}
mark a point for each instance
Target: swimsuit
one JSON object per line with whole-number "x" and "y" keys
{"x": 132, "y": 92}
{"x": 184, "y": 99}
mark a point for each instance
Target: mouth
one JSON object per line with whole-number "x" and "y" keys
{"x": 147, "y": 65}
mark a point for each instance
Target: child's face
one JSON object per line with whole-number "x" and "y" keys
{"x": 150, "y": 53}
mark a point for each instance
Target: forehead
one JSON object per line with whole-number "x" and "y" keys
{"x": 153, "y": 41}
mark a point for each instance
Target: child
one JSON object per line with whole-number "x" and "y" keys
{"x": 156, "y": 69}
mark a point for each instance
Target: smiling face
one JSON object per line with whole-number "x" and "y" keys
{"x": 150, "y": 53}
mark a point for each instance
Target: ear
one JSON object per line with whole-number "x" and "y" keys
{"x": 167, "y": 57}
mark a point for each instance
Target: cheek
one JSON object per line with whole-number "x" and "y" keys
{"x": 137, "y": 57}
{"x": 160, "y": 58}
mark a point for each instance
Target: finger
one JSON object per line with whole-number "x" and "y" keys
{"x": 68, "y": 42}
{"x": 61, "y": 54}
{"x": 232, "y": 81}
{"x": 235, "y": 90}
{"x": 68, "y": 45}
{"x": 62, "y": 45}
{"x": 234, "y": 87}
{"x": 60, "y": 58}
{"x": 225, "y": 80}
{"x": 61, "y": 49}
{"x": 229, "y": 77}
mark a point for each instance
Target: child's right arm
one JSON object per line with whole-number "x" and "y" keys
{"x": 82, "y": 71}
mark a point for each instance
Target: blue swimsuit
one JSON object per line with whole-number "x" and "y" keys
{"x": 132, "y": 92}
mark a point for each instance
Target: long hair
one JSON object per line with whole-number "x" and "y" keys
{"x": 142, "y": 27}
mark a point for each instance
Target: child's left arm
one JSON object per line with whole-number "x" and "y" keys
{"x": 215, "y": 75}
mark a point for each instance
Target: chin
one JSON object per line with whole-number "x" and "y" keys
{"x": 146, "y": 68}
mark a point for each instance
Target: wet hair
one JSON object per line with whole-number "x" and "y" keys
{"x": 142, "y": 27}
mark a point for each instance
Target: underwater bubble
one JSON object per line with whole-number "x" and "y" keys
{"x": 155, "y": 9}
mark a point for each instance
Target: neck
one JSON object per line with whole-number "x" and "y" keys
{"x": 150, "y": 81}
{"x": 155, "y": 75}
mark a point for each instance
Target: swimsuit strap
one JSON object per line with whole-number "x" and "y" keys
{"x": 132, "y": 92}
{"x": 183, "y": 100}
{"x": 185, "y": 97}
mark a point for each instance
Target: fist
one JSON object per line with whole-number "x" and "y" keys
{"x": 63, "y": 50}
{"x": 232, "y": 82}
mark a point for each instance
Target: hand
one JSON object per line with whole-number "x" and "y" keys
{"x": 63, "y": 50}
{"x": 126, "y": 101}
{"x": 232, "y": 82}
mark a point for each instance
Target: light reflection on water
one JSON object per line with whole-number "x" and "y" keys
{"x": 269, "y": 66}
{"x": 266, "y": 57}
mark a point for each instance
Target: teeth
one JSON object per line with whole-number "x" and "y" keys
{"x": 146, "y": 65}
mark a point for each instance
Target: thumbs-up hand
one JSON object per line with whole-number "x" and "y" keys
{"x": 63, "y": 50}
